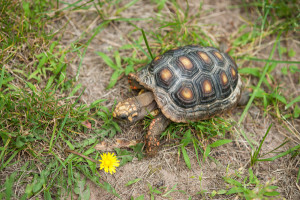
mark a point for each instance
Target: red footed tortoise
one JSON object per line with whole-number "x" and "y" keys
{"x": 189, "y": 83}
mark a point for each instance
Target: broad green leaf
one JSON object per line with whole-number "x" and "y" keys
{"x": 296, "y": 112}
{"x": 128, "y": 69}
{"x": 37, "y": 186}
{"x": 234, "y": 190}
{"x": 116, "y": 126}
{"x": 47, "y": 195}
{"x": 219, "y": 143}
{"x": 156, "y": 191}
{"x": 279, "y": 98}
{"x": 86, "y": 142}
{"x": 272, "y": 187}
{"x": 140, "y": 197}
{"x": 297, "y": 99}
{"x": 42, "y": 61}
{"x": 113, "y": 79}
{"x": 124, "y": 155}
{"x": 251, "y": 176}
{"x": 49, "y": 83}
{"x": 187, "y": 138}
{"x": 186, "y": 157}
{"x": 107, "y": 60}
{"x": 132, "y": 181}
{"x": 291, "y": 53}
{"x": 233, "y": 182}
{"x": 213, "y": 193}
{"x": 138, "y": 150}
{"x": 293, "y": 69}
{"x": 118, "y": 59}
{"x": 221, "y": 192}
{"x": 271, "y": 194}
{"x": 284, "y": 70}
{"x": 172, "y": 190}
{"x": 9, "y": 182}
{"x": 206, "y": 153}
{"x": 31, "y": 86}
{"x": 28, "y": 190}
{"x": 95, "y": 103}
{"x": 250, "y": 71}
{"x": 77, "y": 87}
{"x": 86, "y": 193}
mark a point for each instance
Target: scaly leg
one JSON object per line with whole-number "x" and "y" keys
{"x": 245, "y": 96}
{"x": 135, "y": 108}
{"x": 157, "y": 126}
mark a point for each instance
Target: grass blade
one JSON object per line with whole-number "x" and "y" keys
{"x": 219, "y": 143}
{"x": 272, "y": 61}
{"x": 146, "y": 42}
{"x": 281, "y": 154}
{"x": 266, "y": 68}
{"x": 98, "y": 30}
{"x": 2, "y": 75}
{"x": 186, "y": 157}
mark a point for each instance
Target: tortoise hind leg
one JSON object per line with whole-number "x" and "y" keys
{"x": 245, "y": 96}
{"x": 157, "y": 126}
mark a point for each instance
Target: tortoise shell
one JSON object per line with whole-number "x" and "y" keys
{"x": 192, "y": 83}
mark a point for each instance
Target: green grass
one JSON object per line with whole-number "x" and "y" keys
{"x": 40, "y": 120}
{"x": 249, "y": 188}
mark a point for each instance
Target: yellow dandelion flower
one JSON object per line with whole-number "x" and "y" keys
{"x": 109, "y": 162}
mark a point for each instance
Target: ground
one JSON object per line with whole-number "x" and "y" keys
{"x": 168, "y": 172}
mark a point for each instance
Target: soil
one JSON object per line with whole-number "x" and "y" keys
{"x": 167, "y": 169}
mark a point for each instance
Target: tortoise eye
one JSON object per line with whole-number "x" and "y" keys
{"x": 123, "y": 116}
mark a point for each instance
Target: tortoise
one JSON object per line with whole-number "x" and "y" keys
{"x": 188, "y": 83}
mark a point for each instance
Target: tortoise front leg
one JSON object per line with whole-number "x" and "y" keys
{"x": 135, "y": 108}
{"x": 157, "y": 126}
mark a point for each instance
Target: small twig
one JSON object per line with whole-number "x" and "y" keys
{"x": 81, "y": 155}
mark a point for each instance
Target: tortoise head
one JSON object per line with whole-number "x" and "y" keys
{"x": 126, "y": 110}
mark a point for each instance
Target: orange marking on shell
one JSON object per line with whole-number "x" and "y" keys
{"x": 224, "y": 78}
{"x": 165, "y": 74}
{"x": 204, "y": 56}
{"x": 186, "y": 62}
{"x": 233, "y": 72}
{"x": 186, "y": 93}
{"x": 157, "y": 58}
{"x": 218, "y": 55}
{"x": 207, "y": 86}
